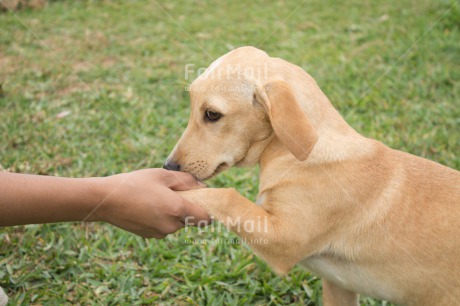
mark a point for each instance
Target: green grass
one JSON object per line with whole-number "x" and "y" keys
{"x": 118, "y": 67}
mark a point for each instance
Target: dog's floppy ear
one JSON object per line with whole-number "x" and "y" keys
{"x": 289, "y": 122}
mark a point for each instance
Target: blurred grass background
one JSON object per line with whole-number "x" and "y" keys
{"x": 93, "y": 88}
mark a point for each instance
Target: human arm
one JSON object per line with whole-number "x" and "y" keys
{"x": 141, "y": 202}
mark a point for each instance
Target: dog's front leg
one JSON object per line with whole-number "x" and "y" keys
{"x": 267, "y": 234}
{"x": 334, "y": 295}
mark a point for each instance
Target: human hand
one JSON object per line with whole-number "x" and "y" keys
{"x": 144, "y": 202}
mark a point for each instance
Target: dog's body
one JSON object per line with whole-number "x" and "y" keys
{"x": 366, "y": 218}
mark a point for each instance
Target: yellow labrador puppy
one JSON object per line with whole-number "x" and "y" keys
{"x": 366, "y": 218}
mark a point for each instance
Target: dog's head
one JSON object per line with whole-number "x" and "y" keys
{"x": 237, "y": 106}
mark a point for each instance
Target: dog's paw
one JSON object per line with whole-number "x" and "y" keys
{"x": 207, "y": 198}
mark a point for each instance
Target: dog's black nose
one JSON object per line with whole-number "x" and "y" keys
{"x": 169, "y": 165}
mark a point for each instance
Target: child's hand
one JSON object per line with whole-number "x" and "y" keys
{"x": 143, "y": 202}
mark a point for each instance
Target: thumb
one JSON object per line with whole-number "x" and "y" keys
{"x": 182, "y": 181}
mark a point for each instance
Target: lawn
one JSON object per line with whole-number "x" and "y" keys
{"x": 93, "y": 88}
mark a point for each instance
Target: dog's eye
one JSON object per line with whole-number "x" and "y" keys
{"x": 212, "y": 116}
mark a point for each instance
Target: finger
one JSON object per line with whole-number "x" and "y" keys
{"x": 171, "y": 226}
{"x": 149, "y": 234}
{"x": 182, "y": 181}
{"x": 154, "y": 235}
{"x": 195, "y": 215}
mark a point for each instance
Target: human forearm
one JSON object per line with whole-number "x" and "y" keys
{"x": 29, "y": 199}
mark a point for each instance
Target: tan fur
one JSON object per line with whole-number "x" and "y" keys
{"x": 366, "y": 218}
{"x": 288, "y": 121}
{"x": 6, "y": 5}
